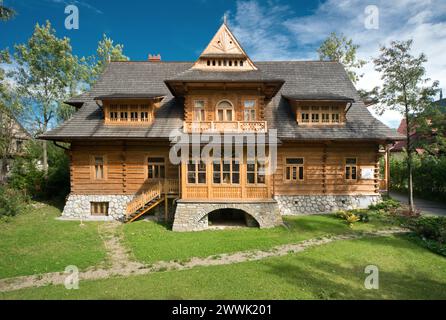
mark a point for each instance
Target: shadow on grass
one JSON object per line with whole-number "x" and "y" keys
{"x": 323, "y": 278}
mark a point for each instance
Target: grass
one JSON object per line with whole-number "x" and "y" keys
{"x": 150, "y": 241}
{"x": 34, "y": 242}
{"x": 332, "y": 271}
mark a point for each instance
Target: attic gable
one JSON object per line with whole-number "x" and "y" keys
{"x": 224, "y": 53}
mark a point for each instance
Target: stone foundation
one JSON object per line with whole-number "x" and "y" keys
{"x": 78, "y": 206}
{"x": 295, "y": 205}
{"x": 193, "y": 216}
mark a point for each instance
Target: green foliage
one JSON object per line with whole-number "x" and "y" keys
{"x": 6, "y": 13}
{"x": 386, "y": 205}
{"x": 340, "y": 49}
{"x": 430, "y": 232}
{"x": 28, "y": 176}
{"x": 429, "y": 176}
{"x": 106, "y": 51}
{"x": 12, "y": 201}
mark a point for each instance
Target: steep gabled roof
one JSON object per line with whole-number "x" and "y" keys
{"x": 310, "y": 78}
{"x": 225, "y": 45}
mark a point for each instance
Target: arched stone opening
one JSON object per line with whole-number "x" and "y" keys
{"x": 229, "y": 217}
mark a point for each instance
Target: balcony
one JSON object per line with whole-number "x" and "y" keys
{"x": 225, "y": 126}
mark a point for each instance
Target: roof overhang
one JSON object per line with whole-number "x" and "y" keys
{"x": 137, "y": 96}
{"x": 318, "y": 97}
{"x": 180, "y": 88}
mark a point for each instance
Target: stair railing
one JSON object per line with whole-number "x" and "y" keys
{"x": 154, "y": 191}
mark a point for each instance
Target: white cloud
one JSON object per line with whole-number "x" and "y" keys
{"x": 273, "y": 32}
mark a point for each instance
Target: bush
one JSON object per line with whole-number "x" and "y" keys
{"x": 349, "y": 216}
{"x": 430, "y": 232}
{"x": 387, "y": 204}
{"x": 11, "y": 202}
{"x": 29, "y": 178}
{"x": 433, "y": 228}
{"x": 429, "y": 176}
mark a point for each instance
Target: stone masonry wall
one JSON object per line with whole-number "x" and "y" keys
{"x": 294, "y": 205}
{"x": 193, "y": 216}
{"x": 78, "y": 206}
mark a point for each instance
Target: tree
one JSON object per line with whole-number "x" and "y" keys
{"x": 6, "y": 13}
{"x": 45, "y": 74}
{"x": 340, "y": 49}
{"x": 9, "y": 110}
{"x": 405, "y": 89}
{"x": 105, "y": 53}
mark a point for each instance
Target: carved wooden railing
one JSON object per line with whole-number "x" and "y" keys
{"x": 154, "y": 191}
{"x": 228, "y": 126}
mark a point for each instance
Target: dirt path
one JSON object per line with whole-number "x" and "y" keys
{"x": 121, "y": 264}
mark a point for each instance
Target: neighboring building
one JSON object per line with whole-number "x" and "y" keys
{"x": 327, "y": 154}
{"x": 13, "y": 137}
{"x": 397, "y": 149}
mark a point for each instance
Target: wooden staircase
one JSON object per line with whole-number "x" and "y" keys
{"x": 145, "y": 201}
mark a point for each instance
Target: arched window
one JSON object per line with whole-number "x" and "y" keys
{"x": 225, "y": 111}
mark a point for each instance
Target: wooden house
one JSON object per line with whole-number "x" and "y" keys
{"x": 324, "y": 143}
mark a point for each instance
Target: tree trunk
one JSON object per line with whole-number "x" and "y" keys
{"x": 45, "y": 158}
{"x": 409, "y": 163}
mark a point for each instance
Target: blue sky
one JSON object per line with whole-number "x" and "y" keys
{"x": 268, "y": 30}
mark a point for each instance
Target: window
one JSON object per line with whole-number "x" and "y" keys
{"x": 18, "y": 145}
{"x": 198, "y": 112}
{"x": 350, "y": 169}
{"x": 250, "y": 110}
{"x": 226, "y": 172}
{"x": 99, "y": 208}
{"x": 156, "y": 168}
{"x": 196, "y": 172}
{"x": 241, "y": 63}
{"x": 335, "y": 117}
{"x": 225, "y": 111}
{"x": 113, "y": 113}
{"x": 133, "y": 116}
{"x": 255, "y": 172}
{"x": 294, "y": 169}
{"x": 99, "y": 168}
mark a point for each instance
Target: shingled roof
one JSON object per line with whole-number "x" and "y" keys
{"x": 305, "y": 78}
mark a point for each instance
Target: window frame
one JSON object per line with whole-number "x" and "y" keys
{"x": 196, "y": 172}
{"x": 291, "y": 166}
{"x": 202, "y": 111}
{"x": 346, "y": 165}
{"x": 221, "y": 162}
{"x": 93, "y": 167}
{"x": 252, "y": 110}
{"x": 256, "y": 164}
{"x": 96, "y": 206}
{"x": 224, "y": 109}
{"x": 155, "y": 163}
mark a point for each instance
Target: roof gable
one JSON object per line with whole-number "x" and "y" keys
{"x": 224, "y": 45}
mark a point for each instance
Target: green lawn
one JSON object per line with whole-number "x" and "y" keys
{"x": 150, "y": 241}
{"x": 34, "y": 242}
{"x": 333, "y": 271}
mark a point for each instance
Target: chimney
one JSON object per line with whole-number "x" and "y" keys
{"x": 155, "y": 57}
{"x": 441, "y": 94}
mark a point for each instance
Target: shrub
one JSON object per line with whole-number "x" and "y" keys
{"x": 429, "y": 232}
{"x": 11, "y": 202}
{"x": 433, "y": 228}
{"x": 348, "y": 216}
{"x": 387, "y": 204}
{"x": 429, "y": 176}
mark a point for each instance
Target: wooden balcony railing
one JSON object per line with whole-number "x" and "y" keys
{"x": 225, "y": 126}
